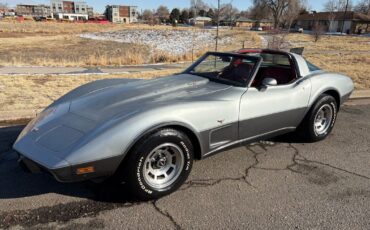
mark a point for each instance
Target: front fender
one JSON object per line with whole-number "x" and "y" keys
{"x": 116, "y": 137}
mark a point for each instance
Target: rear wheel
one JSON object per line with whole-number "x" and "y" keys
{"x": 320, "y": 120}
{"x": 159, "y": 164}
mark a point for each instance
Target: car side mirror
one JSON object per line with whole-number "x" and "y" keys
{"x": 269, "y": 81}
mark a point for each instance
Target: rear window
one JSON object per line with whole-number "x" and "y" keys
{"x": 272, "y": 59}
{"x": 312, "y": 67}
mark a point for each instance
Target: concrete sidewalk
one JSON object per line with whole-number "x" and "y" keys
{"x": 40, "y": 70}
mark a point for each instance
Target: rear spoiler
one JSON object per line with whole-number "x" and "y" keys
{"x": 297, "y": 50}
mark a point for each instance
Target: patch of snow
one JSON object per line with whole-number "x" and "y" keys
{"x": 174, "y": 42}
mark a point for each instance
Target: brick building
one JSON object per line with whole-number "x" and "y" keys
{"x": 349, "y": 22}
{"x": 32, "y": 10}
{"x": 121, "y": 14}
{"x": 70, "y": 10}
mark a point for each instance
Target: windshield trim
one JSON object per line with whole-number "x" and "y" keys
{"x": 257, "y": 60}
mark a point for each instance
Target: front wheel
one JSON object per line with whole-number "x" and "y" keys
{"x": 320, "y": 120}
{"x": 159, "y": 164}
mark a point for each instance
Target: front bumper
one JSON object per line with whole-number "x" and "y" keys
{"x": 345, "y": 97}
{"x": 102, "y": 169}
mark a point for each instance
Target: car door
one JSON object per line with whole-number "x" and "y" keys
{"x": 273, "y": 109}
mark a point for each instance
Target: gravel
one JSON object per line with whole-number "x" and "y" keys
{"x": 173, "y": 42}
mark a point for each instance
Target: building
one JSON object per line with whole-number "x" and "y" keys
{"x": 42, "y": 11}
{"x": 349, "y": 22}
{"x": 3, "y": 10}
{"x": 200, "y": 21}
{"x": 244, "y": 22}
{"x": 122, "y": 14}
{"x": 264, "y": 24}
{"x": 90, "y": 12}
{"x": 33, "y": 10}
{"x": 70, "y": 10}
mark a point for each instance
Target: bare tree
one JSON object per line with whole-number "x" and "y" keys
{"x": 198, "y": 5}
{"x": 331, "y": 6}
{"x": 337, "y": 5}
{"x": 163, "y": 13}
{"x": 283, "y": 12}
{"x": 148, "y": 16}
{"x": 317, "y": 31}
{"x": 363, "y": 7}
{"x": 291, "y": 13}
{"x": 277, "y": 7}
{"x": 259, "y": 11}
{"x": 228, "y": 12}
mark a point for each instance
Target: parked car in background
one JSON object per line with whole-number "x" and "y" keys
{"x": 257, "y": 28}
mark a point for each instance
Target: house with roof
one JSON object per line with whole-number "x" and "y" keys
{"x": 200, "y": 21}
{"x": 244, "y": 22}
{"x": 347, "y": 22}
{"x": 265, "y": 24}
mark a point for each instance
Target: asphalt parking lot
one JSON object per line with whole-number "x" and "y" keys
{"x": 279, "y": 184}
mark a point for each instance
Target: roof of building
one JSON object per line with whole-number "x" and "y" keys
{"x": 201, "y": 19}
{"x": 243, "y": 19}
{"x": 338, "y": 16}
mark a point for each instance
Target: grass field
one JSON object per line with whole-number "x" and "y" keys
{"x": 58, "y": 44}
{"x": 36, "y": 92}
{"x": 349, "y": 55}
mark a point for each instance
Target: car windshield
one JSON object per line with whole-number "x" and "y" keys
{"x": 233, "y": 69}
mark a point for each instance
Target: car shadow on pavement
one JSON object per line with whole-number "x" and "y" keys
{"x": 16, "y": 183}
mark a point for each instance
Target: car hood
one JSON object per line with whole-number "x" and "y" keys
{"x": 138, "y": 95}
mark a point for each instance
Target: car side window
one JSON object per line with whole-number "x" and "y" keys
{"x": 276, "y": 66}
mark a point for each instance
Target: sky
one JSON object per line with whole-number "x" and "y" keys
{"x": 99, "y": 5}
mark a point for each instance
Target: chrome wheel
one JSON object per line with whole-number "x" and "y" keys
{"x": 163, "y": 165}
{"x": 323, "y": 119}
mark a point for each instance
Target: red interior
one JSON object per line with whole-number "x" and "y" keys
{"x": 283, "y": 75}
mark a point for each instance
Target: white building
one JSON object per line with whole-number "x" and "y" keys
{"x": 200, "y": 21}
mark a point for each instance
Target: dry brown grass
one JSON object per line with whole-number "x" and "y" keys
{"x": 36, "y": 92}
{"x": 54, "y": 28}
{"x": 56, "y": 44}
{"x": 349, "y": 55}
{"x": 67, "y": 50}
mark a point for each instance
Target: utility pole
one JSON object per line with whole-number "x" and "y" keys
{"x": 218, "y": 24}
{"x": 344, "y": 16}
{"x": 195, "y": 23}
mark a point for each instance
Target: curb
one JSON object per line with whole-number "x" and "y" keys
{"x": 21, "y": 117}
{"x": 360, "y": 94}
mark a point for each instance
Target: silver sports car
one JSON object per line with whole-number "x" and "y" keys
{"x": 146, "y": 133}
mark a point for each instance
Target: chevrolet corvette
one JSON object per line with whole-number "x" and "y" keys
{"x": 146, "y": 133}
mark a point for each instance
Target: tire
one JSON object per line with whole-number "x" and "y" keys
{"x": 326, "y": 109}
{"x": 166, "y": 151}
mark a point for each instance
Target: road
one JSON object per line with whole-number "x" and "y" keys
{"x": 279, "y": 184}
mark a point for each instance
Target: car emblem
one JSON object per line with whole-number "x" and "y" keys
{"x": 221, "y": 121}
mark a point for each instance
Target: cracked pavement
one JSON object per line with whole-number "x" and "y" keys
{"x": 277, "y": 184}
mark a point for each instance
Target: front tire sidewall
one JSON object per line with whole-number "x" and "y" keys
{"x": 137, "y": 182}
{"x": 323, "y": 100}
